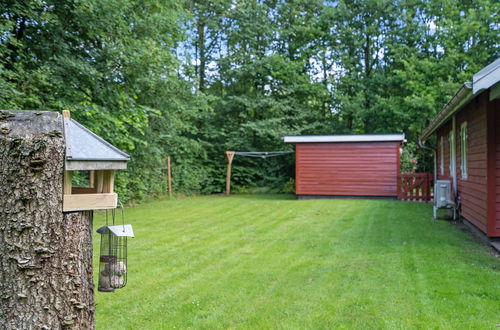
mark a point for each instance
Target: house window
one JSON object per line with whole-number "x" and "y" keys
{"x": 463, "y": 150}
{"x": 441, "y": 155}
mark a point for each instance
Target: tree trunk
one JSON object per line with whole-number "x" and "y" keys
{"x": 370, "y": 118}
{"x": 45, "y": 255}
{"x": 203, "y": 56}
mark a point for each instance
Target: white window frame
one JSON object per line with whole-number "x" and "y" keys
{"x": 463, "y": 150}
{"x": 451, "y": 144}
{"x": 441, "y": 155}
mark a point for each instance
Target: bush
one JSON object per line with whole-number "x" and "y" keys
{"x": 409, "y": 163}
{"x": 289, "y": 187}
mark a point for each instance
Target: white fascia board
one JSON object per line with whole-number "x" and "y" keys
{"x": 345, "y": 138}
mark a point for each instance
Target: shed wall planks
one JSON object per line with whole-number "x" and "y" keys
{"x": 347, "y": 169}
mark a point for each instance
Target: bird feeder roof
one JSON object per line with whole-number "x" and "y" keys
{"x": 87, "y": 151}
{"x": 118, "y": 230}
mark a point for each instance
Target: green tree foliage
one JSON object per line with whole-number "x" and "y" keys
{"x": 191, "y": 79}
{"x": 113, "y": 64}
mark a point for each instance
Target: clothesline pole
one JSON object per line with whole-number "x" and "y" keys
{"x": 259, "y": 154}
{"x": 229, "y": 157}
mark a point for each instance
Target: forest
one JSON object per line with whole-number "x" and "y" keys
{"x": 192, "y": 79}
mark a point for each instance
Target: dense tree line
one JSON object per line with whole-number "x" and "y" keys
{"x": 191, "y": 79}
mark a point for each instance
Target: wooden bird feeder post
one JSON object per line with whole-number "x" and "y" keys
{"x": 229, "y": 157}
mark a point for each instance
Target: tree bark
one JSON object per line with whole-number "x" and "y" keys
{"x": 370, "y": 118}
{"x": 45, "y": 254}
{"x": 203, "y": 56}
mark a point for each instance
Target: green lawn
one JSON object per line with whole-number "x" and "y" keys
{"x": 270, "y": 261}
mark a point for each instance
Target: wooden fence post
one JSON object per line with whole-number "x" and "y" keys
{"x": 169, "y": 177}
{"x": 229, "y": 157}
{"x": 398, "y": 186}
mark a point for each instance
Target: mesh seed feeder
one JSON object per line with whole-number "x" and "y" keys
{"x": 113, "y": 256}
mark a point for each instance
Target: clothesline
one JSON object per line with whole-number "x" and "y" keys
{"x": 262, "y": 154}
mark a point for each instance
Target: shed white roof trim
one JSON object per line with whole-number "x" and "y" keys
{"x": 345, "y": 138}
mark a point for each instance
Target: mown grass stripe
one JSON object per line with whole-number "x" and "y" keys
{"x": 268, "y": 261}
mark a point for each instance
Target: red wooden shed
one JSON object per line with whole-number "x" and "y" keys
{"x": 346, "y": 165}
{"x": 467, "y": 131}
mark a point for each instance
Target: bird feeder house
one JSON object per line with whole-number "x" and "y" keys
{"x": 95, "y": 160}
{"x": 113, "y": 257}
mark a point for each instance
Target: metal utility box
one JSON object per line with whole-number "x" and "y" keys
{"x": 442, "y": 193}
{"x": 442, "y": 197}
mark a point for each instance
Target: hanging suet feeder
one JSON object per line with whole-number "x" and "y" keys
{"x": 113, "y": 256}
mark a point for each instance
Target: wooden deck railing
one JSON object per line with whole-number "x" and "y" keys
{"x": 416, "y": 187}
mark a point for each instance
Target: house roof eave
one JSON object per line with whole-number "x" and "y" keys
{"x": 483, "y": 80}
{"x": 461, "y": 98}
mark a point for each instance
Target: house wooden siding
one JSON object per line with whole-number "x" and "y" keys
{"x": 476, "y": 103}
{"x": 473, "y": 190}
{"x": 347, "y": 168}
{"x": 494, "y": 112}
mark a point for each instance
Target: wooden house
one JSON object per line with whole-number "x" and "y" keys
{"x": 467, "y": 132}
{"x": 347, "y": 165}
